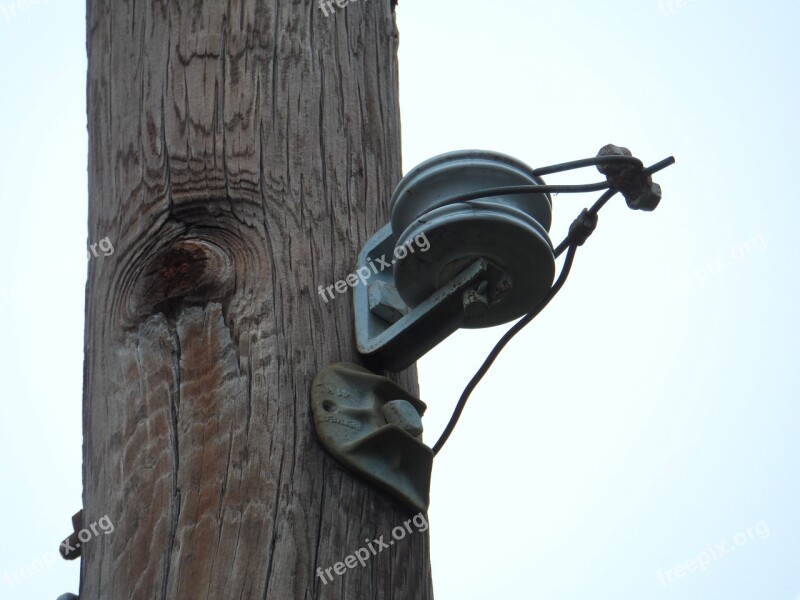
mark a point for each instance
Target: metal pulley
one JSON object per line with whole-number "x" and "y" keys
{"x": 510, "y": 232}
{"x": 487, "y": 259}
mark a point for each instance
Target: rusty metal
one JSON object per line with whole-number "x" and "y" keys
{"x": 633, "y": 183}
{"x": 476, "y": 301}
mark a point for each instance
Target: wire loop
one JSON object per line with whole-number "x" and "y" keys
{"x": 583, "y": 226}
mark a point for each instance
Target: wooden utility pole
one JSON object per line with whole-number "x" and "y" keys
{"x": 240, "y": 154}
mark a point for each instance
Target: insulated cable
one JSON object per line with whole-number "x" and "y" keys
{"x": 579, "y": 231}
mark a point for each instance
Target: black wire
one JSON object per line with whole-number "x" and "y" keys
{"x": 556, "y": 189}
{"x": 600, "y": 203}
{"x": 662, "y": 164}
{"x": 520, "y": 189}
{"x": 570, "y": 244}
{"x": 517, "y": 327}
{"x": 588, "y": 162}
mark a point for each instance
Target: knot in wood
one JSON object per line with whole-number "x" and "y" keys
{"x": 186, "y": 271}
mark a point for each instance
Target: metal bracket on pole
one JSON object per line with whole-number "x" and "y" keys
{"x": 70, "y": 548}
{"x": 373, "y": 426}
{"x": 392, "y": 335}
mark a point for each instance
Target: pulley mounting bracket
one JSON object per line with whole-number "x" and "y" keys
{"x": 395, "y": 344}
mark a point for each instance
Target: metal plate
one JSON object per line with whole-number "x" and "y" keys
{"x": 349, "y": 404}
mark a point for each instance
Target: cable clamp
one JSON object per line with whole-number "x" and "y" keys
{"x": 582, "y": 227}
{"x": 636, "y": 185}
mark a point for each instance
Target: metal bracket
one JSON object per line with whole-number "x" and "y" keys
{"x": 70, "y": 548}
{"x": 373, "y": 426}
{"x": 390, "y": 334}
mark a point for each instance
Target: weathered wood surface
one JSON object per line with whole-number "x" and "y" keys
{"x": 240, "y": 153}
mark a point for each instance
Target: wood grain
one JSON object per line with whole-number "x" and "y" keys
{"x": 240, "y": 153}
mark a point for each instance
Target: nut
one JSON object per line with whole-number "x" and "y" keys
{"x": 647, "y": 199}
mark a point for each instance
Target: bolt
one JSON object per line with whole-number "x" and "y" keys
{"x": 638, "y": 189}
{"x": 476, "y": 302}
{"x": 648, "y": 198}
{"x": 385, "y": 302}
{"x": 403, "y": 414}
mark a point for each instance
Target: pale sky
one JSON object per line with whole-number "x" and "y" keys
{"x": 646, "y": 422}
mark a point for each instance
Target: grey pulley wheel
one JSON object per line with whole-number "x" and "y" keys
{"x": 510, "y": 231}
